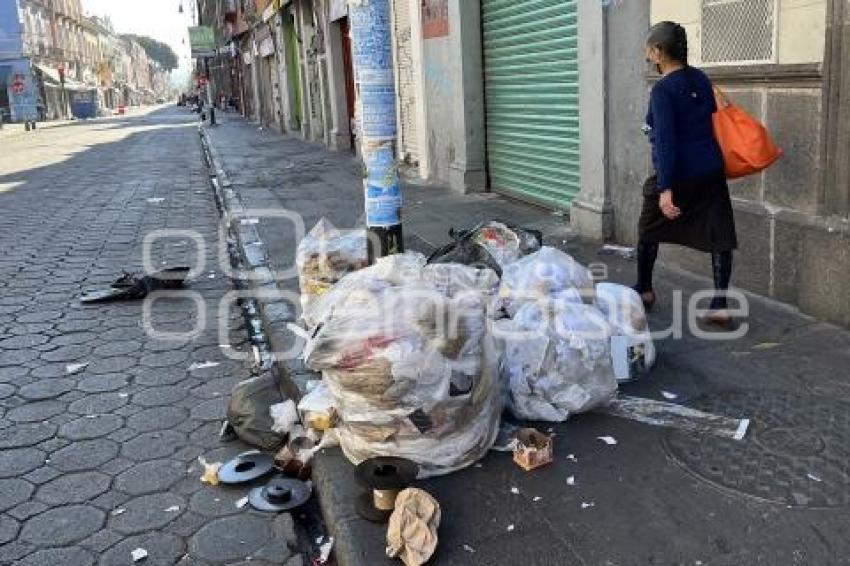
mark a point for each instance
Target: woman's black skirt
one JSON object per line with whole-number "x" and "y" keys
{"x": 707, "y": 222}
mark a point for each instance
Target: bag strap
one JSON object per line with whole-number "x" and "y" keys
{"x": 720, "y": 97}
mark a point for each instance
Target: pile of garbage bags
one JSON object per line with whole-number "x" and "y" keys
{"x": 405, "y": 350}
{"x": 421, "y": 356}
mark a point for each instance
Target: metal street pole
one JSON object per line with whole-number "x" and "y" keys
{"x": 371, "y": 47}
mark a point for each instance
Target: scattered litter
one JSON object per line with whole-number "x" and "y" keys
{"x": 284, "y": 415}
{"x": 669, "y": 396}
{"x": 609, "y": 440}
{"x": 156, "y": 200}
{"x": 211, "y": 275}
{"x": 325, "y": 551}
{"x": 572, "y": 458}
{"x": 571, "y": 480}
{"x": 469, "y": 549}
{"x": 813, "y": 477}
{"x": 116, "y": 512}
{"x": 412, "y": 530}
{"x": 173, "y": 509}
{"x": 210, "y": 475}
{"x": 123, "y": 395}
{"x": 74, "y": 368}
{"x": 537, "y": 498}
{"x": 587, "y": 505}
{"x": 515, "y": 490}
{"x": 203, "y": 365}
{"x": 622, "y": 251}
{"x": 318, "y": 408}
{"x": 533, "y": 449}
{"x": 766, "y": 346}
{"x": 511, "y": 528}
{"x": 660, "y": 413}
{"x": 249, "y": 221}
{"x": 139, "y": 554}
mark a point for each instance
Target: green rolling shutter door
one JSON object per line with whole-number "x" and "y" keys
{"x": 531, "y": 92}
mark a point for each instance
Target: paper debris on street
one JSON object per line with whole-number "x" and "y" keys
{"x": 139, "y": 554}
{"x": 609, "y": 440}
{"x": 202, "y": 365}
{"x": 71, "y": 369}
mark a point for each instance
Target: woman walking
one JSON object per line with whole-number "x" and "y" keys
{"x": 686, "y": 201}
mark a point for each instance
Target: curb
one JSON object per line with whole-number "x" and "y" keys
{"x": 334, "y": 483}
{"x": 254, "y": 272}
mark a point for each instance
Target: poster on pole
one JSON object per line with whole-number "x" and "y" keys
{"x": 202, "y": 41}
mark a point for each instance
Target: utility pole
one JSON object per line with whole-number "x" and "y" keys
{"x": 371, "y": 46}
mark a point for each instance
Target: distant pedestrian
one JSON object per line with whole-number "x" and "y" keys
{"x": 686, "y": 201}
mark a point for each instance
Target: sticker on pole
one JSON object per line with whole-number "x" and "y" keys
{"x": 383, "y": 195}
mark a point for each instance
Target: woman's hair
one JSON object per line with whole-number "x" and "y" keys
{"x": 671, "y": 38}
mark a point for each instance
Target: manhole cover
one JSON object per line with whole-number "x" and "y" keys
{"x": 797, "y": 450}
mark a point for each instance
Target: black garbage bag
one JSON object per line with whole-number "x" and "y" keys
{"x": 248, "y": 411}
{"x": 492, "y": 244}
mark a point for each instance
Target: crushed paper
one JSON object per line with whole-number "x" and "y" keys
{"x": 139, "y": 554}
{"x": 210, "y": 475}
{"x": 412, "y": 530}
{"x": 511, "y": 528}
{"x": 469, "y": 549}
{"x": 813, "y": 477}
{"x": 669, "y": 396}
{"x": 572, "y": 458}
{"x": 571, "y": 480}
{"x": 173, "y": 509}
{"x": 609, "y": 440}
{"x": 515, "y": 490}
{"x": 242, "y": 502}
{"x": 587, "y": 505}
{"x": 116, "y": 512}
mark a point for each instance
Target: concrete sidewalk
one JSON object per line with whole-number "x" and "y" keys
{"x": 659, "y": 496}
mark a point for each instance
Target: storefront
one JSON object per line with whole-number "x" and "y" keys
{"x": 531, "y": 99}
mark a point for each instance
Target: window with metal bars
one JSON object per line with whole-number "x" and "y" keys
{"x": 738, "y": 32}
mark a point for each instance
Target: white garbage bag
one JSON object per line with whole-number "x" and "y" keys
{"x": 410, "y": 364}
{"x": 632, "y": 349}
{"x": 325, "y": 256}
{"x": 542, "y": 275}
{"x": 556, "y": 360}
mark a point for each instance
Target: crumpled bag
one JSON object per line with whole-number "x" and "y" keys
{"x": 541, "y": 276}
{"x": 325, "y": 256}
{"x": 557, "y": 360}
{"x": 249, "y": 411}
{"x": 412, "y": 532}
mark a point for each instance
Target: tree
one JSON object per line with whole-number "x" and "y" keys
{"x": 157, "y": 51}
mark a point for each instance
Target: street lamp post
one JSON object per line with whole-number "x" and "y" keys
{"x": 371, "y": 46}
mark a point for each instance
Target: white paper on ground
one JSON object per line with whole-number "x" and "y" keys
{"x": 609, "y": 440}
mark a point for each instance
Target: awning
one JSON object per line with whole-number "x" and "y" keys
{"x": 51, "y": 79}
{"x": 49, "y": 75}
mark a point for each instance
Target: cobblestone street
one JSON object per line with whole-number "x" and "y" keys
{"x": 101, "y": 425}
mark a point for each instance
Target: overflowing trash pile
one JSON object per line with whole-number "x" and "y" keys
{"x": 421, "y": 356}
{"x": 405, "y": 351}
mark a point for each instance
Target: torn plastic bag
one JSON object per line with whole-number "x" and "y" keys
{"x": 556, "y": 360}
{"x": 490, "y": 245}
{"x": 542, "y": 275}
{"x": 398, "y": 269}
{"x": 632, "y": 349}
{"x": 413, "y": 372}
{"x": 249, "y": 411}
{"x": 325, "y": 256}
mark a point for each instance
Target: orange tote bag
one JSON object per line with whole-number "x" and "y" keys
{"x": 746, "y": 146}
